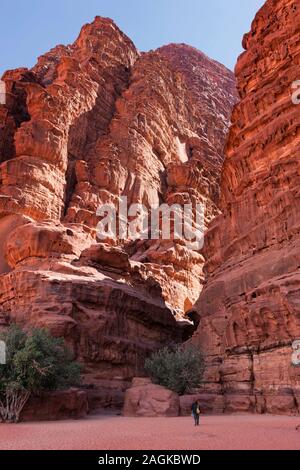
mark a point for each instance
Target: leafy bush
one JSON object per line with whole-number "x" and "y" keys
{"x": 179, "y": 369}
{"x": 35, "y": 362}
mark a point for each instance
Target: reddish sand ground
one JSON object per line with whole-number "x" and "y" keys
{"x": 117, "y": 433}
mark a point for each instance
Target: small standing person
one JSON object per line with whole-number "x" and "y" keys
{"x": 196, "y": 412}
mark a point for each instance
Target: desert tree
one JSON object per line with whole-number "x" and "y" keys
{"x": 35, "y": 362}
{"x": 178, "y": 368}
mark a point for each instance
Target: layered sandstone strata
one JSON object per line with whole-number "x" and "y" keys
{"x": 91, "y": 122}
{"x": 249, "y": 309}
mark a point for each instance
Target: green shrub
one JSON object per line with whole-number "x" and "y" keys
{"x": 35, "y": 362}
{"x": 179, "y": 369}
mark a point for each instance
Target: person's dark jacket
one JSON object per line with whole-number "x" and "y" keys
{"x": 194, "y": 408}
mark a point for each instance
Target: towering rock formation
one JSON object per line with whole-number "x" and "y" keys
{"x": 250, "y": 306}
{"x": 89, "y": 123}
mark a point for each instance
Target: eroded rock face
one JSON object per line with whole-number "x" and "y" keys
{"x": 249, "y": 309}
{"x": 91, "y": 122}
{"x": 69, "y": 404}
{"x": 210, "y": 403}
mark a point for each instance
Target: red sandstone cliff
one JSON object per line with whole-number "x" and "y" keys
{"x": 89, "y": 123}
{"x": 249, "y": 309}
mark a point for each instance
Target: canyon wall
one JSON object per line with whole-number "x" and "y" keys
{"x": 249, "y": 309}
{"x": 89, "y": 123}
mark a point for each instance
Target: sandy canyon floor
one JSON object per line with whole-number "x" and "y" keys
{"x": 117, "y": 433}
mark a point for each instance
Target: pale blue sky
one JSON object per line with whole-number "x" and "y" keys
{"x": 31, "y": 27}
